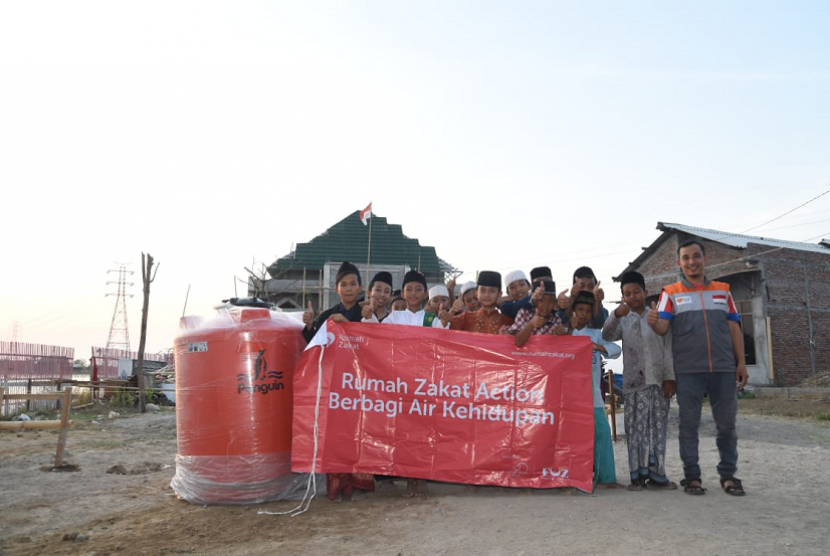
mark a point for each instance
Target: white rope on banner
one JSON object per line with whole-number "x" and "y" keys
{"x": 311, "y": 485}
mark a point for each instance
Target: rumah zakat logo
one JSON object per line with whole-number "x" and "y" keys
{"x": 264, "y": 381}
{"x": 520, "y": 470}
{"x": 550, "y": 473}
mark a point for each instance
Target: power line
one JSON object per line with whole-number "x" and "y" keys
{"x": 825, "y": 234}
{"x": 799, "y": 225}
{"x": 786, "y": 213}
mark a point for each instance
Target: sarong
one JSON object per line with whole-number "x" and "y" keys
{"x": 604, "y": 471}
{"x": 646, "y": 419}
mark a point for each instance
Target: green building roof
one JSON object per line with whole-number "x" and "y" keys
{"x": 348, "y": 240}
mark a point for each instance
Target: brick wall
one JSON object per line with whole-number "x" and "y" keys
{"x": 791, "y": 356}
{"x": 798, "y": 304}
{"x": 660, "y": 268}
{"x": 795, "y": 288}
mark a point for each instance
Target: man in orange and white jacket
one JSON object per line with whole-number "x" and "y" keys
{"x": 708, "y": 356}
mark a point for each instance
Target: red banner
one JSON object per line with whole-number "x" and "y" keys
{"x": 444, "y": 405}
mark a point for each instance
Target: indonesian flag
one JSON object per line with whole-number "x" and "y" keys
{"x": 366, "y": 214}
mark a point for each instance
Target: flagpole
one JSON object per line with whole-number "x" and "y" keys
{"x": 369, "y": 252}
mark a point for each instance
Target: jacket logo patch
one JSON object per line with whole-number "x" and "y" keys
{"x": 719, "y": 299}
{"x": 683, "y": 299}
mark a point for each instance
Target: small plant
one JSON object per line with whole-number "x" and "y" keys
{"x": 742, "y": 395}
{"x": 823, "y": 416}
{"x": 123, "y": 398}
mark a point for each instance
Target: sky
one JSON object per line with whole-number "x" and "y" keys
{"x": 508, "y": 135}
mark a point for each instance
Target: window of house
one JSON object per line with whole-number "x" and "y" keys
{"x": 748, "y": 327}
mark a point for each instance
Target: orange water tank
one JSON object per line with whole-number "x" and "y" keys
{"x": 233, "y": 405}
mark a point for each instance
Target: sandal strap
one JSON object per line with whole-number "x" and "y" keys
{"x": 690, "y": 488}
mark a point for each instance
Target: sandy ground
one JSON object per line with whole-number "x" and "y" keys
{"x": 784, "y": 465}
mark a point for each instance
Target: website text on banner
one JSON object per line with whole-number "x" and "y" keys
{"x": 445, "y": 405}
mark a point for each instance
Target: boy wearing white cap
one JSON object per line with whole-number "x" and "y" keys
{"x": 439, "y": 299}
{"x": 518, "y": 292}
{"x": 469, "y": 301}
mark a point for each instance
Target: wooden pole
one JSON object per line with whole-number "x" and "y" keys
{"x": 147, "y": 277}
{"x": 93, "y": 364}
{"x": 303, "y": 303}
{"x": 67, "y": 401}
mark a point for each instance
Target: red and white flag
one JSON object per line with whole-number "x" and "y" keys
{"x": 366, "y": 214}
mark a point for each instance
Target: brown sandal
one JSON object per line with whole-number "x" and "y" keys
{"x": 693, "y": 489}
{"x": 735, "y": 489}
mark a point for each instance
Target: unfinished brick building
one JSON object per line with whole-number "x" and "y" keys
{"x": 781, "y": 288}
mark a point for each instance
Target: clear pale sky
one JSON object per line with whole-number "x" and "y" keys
{"x": 214, "y": 135}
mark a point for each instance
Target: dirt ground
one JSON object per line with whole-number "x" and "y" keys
{"x": 783, "y": 463}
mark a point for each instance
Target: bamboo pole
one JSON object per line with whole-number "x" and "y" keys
{"x": 769, "y": 352}
{"x": 18, "y": 425}
{"x": 46, "y": 396}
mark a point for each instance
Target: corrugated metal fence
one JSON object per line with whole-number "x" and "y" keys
{"x": 104, "y": 362}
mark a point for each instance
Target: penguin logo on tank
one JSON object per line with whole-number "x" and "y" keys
{"x": 263, "y": 380}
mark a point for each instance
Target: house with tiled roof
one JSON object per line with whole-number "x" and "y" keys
{"x": 781, "y": 289}
{"x": 307, "y": 273}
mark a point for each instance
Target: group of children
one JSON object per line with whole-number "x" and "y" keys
{"x": 532, "y": 307}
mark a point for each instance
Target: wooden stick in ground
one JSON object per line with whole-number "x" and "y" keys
{"x": 67, "y": 401}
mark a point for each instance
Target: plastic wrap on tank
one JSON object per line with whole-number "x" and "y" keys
{"x": 233, "y": 406}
